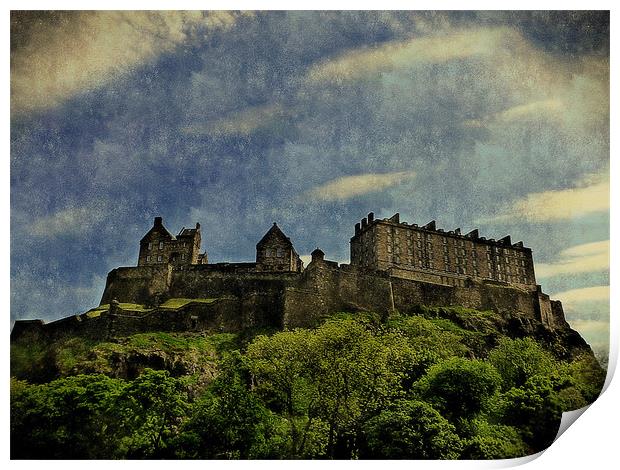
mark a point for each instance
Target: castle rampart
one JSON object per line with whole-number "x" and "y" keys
{"x": 279, "y": 293}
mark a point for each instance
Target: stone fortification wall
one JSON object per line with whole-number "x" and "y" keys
{"x": 325, "y": 289}
{"x": 140, "y": 285}
{"x": 243, "y": 299}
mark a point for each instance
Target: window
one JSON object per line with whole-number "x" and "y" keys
{"x": 280, "y": 253}
{"x": 161, "y": 245}
{"x": 150, "y": 246}
{"x": 148, "y": 258}
{"x": 444, "y": 240}
{"x": 159, "y": 258}
{"x": 389, "y": 248}
{"x": 267, "y": 253}
{"x": 182, "y": 255}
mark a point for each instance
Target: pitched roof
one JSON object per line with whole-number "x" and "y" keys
{"x": 274, "y": 232}
{"x": 158, "y": 228}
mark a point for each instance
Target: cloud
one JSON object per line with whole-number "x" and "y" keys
{"x": 571, "y": 203}
{"x": 573, "y": 297}
{"x": 60, "y": 54}
{"x": 70, "y": 221}
{"x": 550, "y": 107}
{"x": 589, "y": 257}
{"x": 404, "y": 54}
{"x": 241, "y": 123}
{"x": 357, "y": 185}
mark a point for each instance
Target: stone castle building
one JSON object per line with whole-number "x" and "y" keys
{"x": 429, "y": 254}
{"x": 159, "y": 246}
{"x": 274, "y": 252}
{"x": 394, "y": 266}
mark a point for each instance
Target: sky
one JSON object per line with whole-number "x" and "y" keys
{"x": 490, "y": 120}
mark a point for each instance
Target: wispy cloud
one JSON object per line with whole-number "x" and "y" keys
{"x": 357, "y": 185}
{"x": 550, "y": 107}
{"x": 588, "y": 257}
{"x": 591, "y": 197}
{"x": 241, "y": 123}
{"x": 73, "y": 52}
{"x": 584, "y": 294}
{"x": 404, "y": 54}
{"x": 70, "y": 221}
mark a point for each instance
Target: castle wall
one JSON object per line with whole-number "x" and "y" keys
{"x": 141, "y": 284}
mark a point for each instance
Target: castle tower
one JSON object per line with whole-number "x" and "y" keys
{"x": 275, "y": 252}
{"x": 159, "y": 246}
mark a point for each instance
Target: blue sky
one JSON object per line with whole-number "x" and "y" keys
{"x": 490, "y": 120}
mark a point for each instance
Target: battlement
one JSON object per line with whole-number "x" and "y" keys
{"x": 431, "y": 227}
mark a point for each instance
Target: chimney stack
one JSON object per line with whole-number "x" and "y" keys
{"x": 158, "y": 222}
{"x": 371, "y": 217}
{"x": 364, "y": 223}
{"x": 357, "y": 228}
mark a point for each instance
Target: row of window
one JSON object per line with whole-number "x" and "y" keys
{"x": 160, "y": 258}
{"x": 269, "y": 252}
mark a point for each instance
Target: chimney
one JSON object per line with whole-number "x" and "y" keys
{"x": 197, "y": 226}
{"x": 158, "y": 222}
{"x": 457, "y": 231}
{"x": 371, "y": 217}
{"x": 364, "y": 223}
{"x": 357, "y": 228}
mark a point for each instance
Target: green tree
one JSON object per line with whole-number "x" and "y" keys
{"x": 66, "y": 418}
{"x": 230, "y": 422}
{"x": 411, "y": 430}
{"x": 535, "y": 409}
{"x": 486, "y": 441}
{"x": 356, "y": 373}
{"x": 519, "y": 359}
{"x": 151, "y": 409}
{"x": 460, "y": 388}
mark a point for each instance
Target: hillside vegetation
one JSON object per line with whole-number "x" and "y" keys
{"x": 442, "y": 384}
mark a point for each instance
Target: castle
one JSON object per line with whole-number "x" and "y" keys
{"x": 394, "y": 266}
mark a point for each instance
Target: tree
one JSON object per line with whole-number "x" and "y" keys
{"x": 66, "y": 418}
{"x": 519, "y": 359}
{"x": 535, "y": 409}
{"x": 460, "y": 388}
{"x": 411, "y": 430}
{"x": 230, "y": 422}
{"x": 151, "y": 409}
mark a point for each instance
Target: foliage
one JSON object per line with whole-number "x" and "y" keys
{"x": 356, "y": 386}
{"x": 460, "y": 388}
{"x": 411, "y": 430}
{"x": 519, "y": 359}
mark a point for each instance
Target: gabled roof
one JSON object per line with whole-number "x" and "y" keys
{"x": 158, "y": 227}
{"x": 274, "y": 232}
